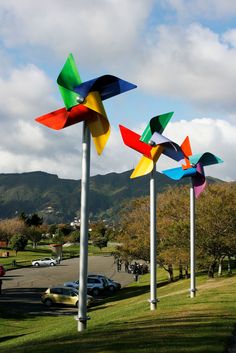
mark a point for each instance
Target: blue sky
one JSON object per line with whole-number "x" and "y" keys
{"x": 180, "y": 53}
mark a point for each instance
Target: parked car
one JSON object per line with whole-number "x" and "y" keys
{"x": 94, "y": 285}
{"x": 47, "y": 261}
{"x": 63, "y": 295}
{"x": 2, "y": 271}
{"x": 111, "y": 285}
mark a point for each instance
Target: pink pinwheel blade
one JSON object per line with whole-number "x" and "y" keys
{"x": 199, "y": 181}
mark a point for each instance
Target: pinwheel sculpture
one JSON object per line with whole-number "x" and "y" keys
{"x": 151, "y": 144}
{"x": 194, "y": 168}
{"x": 83, "y": 102}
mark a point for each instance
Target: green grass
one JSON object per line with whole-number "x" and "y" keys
{"x": 124, "y": 323}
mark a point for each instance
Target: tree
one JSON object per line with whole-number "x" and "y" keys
{"x": 134, "y": 230}
{"x": 58, "y": 237}
{"x": 32, "y": 220}
{"x": 100, "y": 243}
{"x": 216, "y": 225}
{"x": 18, "y": 242}
{"x": 74, "y": 236}
{"x": 173, "y": 230}
{"x": 99, "y": 235}
{"x": 9, "y": 227}
{"x": 34, "y": 234}
{"x": 215, "y": 228}
{"x": 34, "y": 227}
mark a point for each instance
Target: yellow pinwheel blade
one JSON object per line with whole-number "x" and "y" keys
{"x": 156, "y": 152}
{"x": 146, "y": 164}
{"x": 99, "y": 126}
{"x": 100, "y": 131}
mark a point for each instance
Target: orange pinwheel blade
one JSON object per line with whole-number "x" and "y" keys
{"x": 186, "y": 148}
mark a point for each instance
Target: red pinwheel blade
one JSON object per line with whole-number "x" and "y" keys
{"x": 62, "y": 118}
{"x": 132, "y": 140}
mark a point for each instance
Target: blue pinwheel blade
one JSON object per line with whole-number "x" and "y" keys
{"x": 107, "y": 86}
{"x": 205, "y": 159}
{"x": 179, "y": 173}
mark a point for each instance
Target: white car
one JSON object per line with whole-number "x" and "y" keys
{"x": 47, "y": 261}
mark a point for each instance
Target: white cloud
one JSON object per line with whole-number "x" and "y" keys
{"x": 193, "y": 64}
{"x": 60, "y": 153}
{"x": 95, "y": 31}
{"x": 210, "y": 9}
{"x": 26, "y": 91}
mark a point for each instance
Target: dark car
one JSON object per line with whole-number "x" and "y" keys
{"x": 109, "y": 284}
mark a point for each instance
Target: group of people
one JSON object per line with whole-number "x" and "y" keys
{"x": 133, "y": 268}
{"x": 138, "y": 268}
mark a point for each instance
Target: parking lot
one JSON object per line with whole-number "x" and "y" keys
{"x": 22, "y": 288}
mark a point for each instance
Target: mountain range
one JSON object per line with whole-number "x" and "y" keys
{"x": 58, "y": 200}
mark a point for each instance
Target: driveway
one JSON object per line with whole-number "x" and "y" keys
{"x": 22, "y": 288}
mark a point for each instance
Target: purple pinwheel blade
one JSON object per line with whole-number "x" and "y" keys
{"x": 199, "y": 180}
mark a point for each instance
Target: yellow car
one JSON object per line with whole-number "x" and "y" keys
{"x": 63, "y": 295}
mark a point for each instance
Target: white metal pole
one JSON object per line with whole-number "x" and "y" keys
{"x": 192, "y": 243}
{"x": 153, "y": 242}
{"x": 82, "y": 319}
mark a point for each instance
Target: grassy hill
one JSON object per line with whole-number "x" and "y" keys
{"x": 124, "y": 323}
{"x": 58, "y": 200}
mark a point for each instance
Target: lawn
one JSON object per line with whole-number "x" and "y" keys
{"x": 124, "y": 323}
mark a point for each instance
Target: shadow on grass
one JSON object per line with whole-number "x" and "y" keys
{"x": 170, "y": 335}
{"x": 7, "y": 338}
{"x": 135, "y": 290}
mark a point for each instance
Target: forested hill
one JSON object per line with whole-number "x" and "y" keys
{"x": 58, "y": 200}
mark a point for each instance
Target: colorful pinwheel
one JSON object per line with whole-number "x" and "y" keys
{"x": 194, "y": 168}
{"x": 83, "y": 102}
{"x": 151, "y": 144}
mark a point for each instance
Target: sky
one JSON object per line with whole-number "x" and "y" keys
{"x": 181, "y": 54}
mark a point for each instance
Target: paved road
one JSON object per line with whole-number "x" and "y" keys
{"x": 68, "y": 270}
{"x": 22, "y": 288}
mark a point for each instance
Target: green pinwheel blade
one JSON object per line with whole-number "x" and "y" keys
{"x": 156, "y": 124}
{"x": 67, "y": 80}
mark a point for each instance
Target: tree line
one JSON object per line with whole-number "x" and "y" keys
{"x": 17, "y": 232}
{"x": 215, "y": 229}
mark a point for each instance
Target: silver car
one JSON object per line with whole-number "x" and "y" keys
{"x": 94, "y": 285}
{"x": 46, "y": 261}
